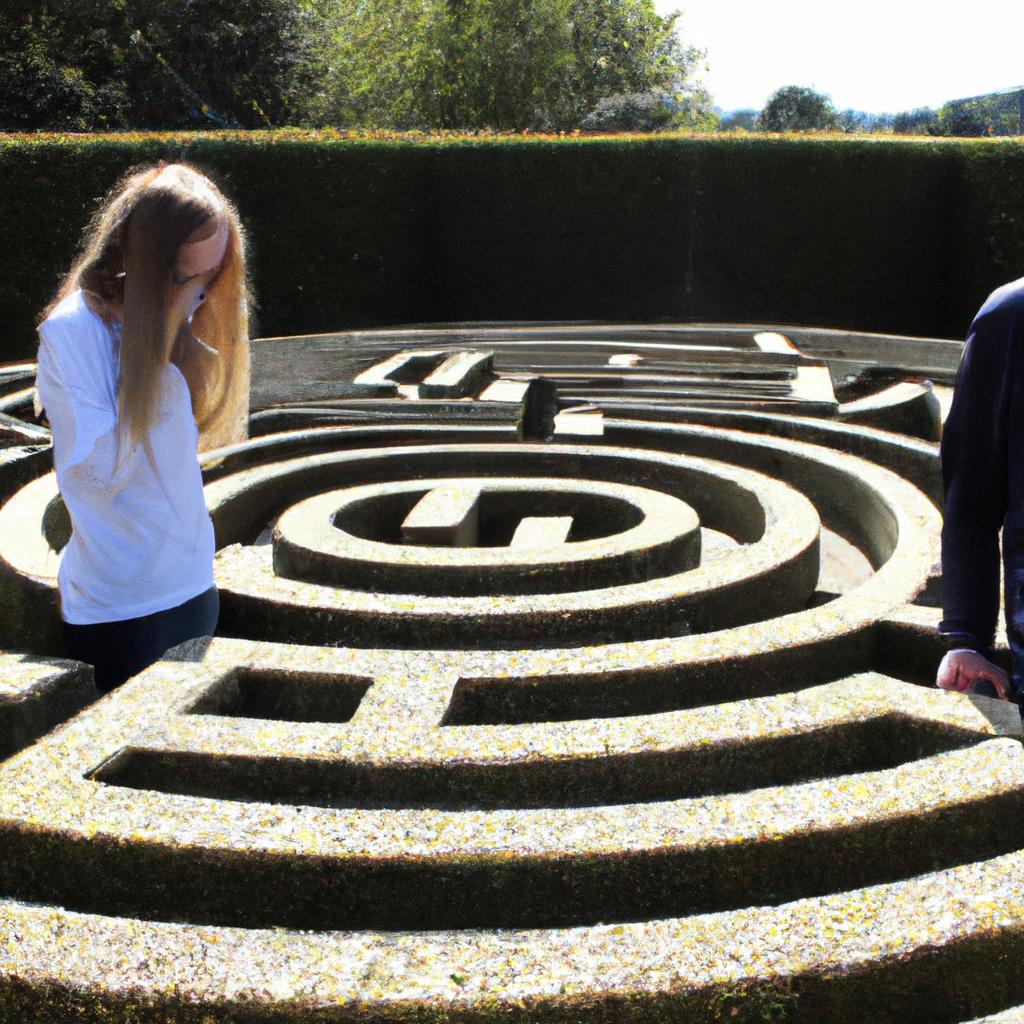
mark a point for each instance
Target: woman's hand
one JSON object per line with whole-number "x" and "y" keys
{"x": 186, "y": 297}
{"x": 959, "y": 669}
{"x": 197, "y": 264}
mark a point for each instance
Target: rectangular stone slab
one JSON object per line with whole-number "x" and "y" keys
{"x": 445, "y": 516}
{"x": 402, "y": 368}
{"x": 459, "y": 375}
{"x": 541, "y": 531}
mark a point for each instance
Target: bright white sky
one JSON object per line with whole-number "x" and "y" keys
{"x": 876, "y": 55}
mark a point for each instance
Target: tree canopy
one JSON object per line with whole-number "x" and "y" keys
{"x": 85, "y": 65}
{"x": 503, "y": 64}
{"x": 795, "y": 108}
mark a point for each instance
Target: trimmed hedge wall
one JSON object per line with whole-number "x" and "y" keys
{"x": 902, "y": 235}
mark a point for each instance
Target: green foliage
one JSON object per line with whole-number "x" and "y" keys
{"x": 985, "y": 115}
{"x": 539, "y": 65}
{"x": 919, "y": 121}
{"x": 624, "y": 46}
{"x": 83, "y": 65}
{"x": 447, "y": 63}
{"x": 853, "y": 122}
{"x": 542, "y": 65}
{"x": 795, "y": 108}
{"x": 57, "y": 73}
{"x": 380, "y": 230}
{"x": 738, "y": 119}
{"x": 647, "y": 112}
{"x": 996, "y": 114}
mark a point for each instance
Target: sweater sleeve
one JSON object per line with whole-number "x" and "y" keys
{"x": 974, "y": 475}
{"x": 75, "y": 392}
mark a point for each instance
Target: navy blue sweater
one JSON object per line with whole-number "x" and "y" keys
{"x": 983, "y": 481}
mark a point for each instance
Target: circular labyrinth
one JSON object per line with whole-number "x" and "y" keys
{"x": 563, "y": 674}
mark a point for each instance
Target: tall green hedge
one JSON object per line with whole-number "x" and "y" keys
{"x": 893, "y": 235}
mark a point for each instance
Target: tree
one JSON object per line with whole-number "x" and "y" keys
{"x": 109, "y": 64}
{"x": 743, "y": 119}
{"x": 442, "y": 63}
{"x": 55, "y": 74}
{"x": 499, "y": 60}
{"x": 501, "y": 64}
{"x": 248, "y": 62}
{"x": 920, "y": 121}
{"x": 623, "y": 47}
{"x": 463, "y": 64}
{"x": 861, "y": 122}
{"x": 969, "y": 118}
{"x": 651, "y": 111}
{"x": 795, "y": 108}
{"x": 997, "y": 114}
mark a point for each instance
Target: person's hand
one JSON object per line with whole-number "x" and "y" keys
{"x": 958, "y": 669}
{"x": 184, "y": 299}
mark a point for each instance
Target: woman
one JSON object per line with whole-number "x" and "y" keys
{"x": 983, "y": 477}
{"x": 129, "y": 389}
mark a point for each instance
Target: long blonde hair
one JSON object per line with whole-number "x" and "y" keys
{"x": 127, "y": 259}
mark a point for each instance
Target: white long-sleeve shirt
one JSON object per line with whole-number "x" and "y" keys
{"x": 142, "y": 540}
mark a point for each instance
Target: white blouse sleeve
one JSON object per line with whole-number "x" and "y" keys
{"x": 75, "y": 390}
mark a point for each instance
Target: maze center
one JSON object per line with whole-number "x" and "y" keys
{"x": 470, "y": 535}
{"x": 564, "y": 673}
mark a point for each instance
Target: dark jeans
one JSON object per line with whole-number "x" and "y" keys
{"x": 119, "y": 650}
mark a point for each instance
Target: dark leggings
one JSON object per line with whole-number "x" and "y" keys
{"x": 119, "y": 650}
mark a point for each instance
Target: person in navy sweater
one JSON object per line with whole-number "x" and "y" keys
{"x": 983, "y": 482}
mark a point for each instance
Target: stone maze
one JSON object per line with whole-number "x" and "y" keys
{"x": 565, "y": 672}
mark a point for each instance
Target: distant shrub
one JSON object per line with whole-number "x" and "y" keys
{"x": 919, "y": 121}
{"x": 653, "y": 111}
{"x": 738, "y": 120}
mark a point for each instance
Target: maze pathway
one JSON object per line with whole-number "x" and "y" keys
{"x": 564, "y": 673}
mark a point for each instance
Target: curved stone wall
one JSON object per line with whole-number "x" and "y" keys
{"x": 563, "y": 673}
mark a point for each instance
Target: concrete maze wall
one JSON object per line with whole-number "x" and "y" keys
{"x": 564, "y": 673}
